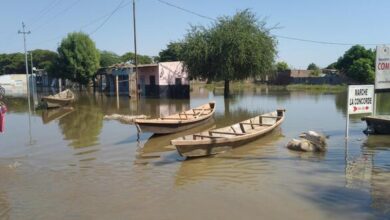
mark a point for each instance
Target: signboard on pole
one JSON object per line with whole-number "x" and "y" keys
{"x": 360, "y": 99}
{"x": 382, "y": 68}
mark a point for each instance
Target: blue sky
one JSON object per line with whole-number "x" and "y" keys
{"x": 346, "y": 21}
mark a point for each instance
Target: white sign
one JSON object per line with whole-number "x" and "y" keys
{"x": 360, "y": 99}
{"x": 382, "y": 67}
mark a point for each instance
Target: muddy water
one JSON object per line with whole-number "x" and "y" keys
{"x": 72, "y": 164}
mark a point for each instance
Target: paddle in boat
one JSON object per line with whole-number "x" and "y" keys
{"x": 177, "y": 122}
{"x": 218, "y": 140}
{"x": 60, "y": 99}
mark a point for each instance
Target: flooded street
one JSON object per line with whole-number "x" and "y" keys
{"x": 72, "y": 164}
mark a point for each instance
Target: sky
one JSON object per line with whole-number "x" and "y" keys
{"x": 110, "y": 24}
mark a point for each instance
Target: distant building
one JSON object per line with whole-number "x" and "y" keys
{"x": 324, "y": 76}
{"x": 14, "y": 84}
{"x": 160, "y": 80}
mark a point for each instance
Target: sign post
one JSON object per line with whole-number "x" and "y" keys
{"x": 360, "y": 101}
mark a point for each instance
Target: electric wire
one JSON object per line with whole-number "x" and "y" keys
{"x": 275, "y": 35}
{"x": 109, "y": 16}
{"x": 74, "y": 3}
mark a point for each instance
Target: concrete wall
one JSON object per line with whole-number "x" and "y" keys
{"x": 169, "y": 71}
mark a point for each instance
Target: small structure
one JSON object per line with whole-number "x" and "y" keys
{"x": 324, "y": 76}
{"x": 14, "y": 84}
{"x": 159, "y": 80}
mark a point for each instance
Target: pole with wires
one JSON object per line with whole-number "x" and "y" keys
{"x": 24, "y": 32}
{"x": 135, "y": 53}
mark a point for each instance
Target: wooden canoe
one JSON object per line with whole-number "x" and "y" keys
{"x": 60, "y": 99}
{"x": 378, "y": 124}
{"x": 177, "y": 122}
{"x": 217, "y": 140}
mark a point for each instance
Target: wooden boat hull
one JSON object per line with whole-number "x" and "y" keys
{"x": 207, "y": 146}
{"x": 63, "y": 98}
{"x": 171, "y": 128}
{"x": 178, "y": 122}
{"x": 377, "y": 124}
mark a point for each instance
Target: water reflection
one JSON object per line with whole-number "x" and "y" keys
{"x": 156, "y": 146}
{"x": 338, "y": 184}
{"x": 50, "y": 115}
{"x": 5, "y": 207}
{"x": 84, "y": 125}
{"x": 243, "y": 164}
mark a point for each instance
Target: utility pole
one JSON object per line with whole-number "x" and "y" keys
{"x": 24, "y": 32}
{"x": 135, "y": 53}
{"x": 33, "y": 80}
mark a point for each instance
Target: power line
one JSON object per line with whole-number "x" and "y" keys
{"x": 186, "y": 10}
{"x": 109, "y": 16}
{"x": 74, "y": 3}
{"x": 44, "y": 11}
{"x": 320, "y": 42}
{"x": 275, "y": 35}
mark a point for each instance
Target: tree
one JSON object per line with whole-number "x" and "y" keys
{"x": 78, "y": 58}
{"x": 13, "y": 63}
{"x": 172, "y": 53}
{"x": 332, "y": 66}
{"x": 349, "y": 60}
{"x": 233, "y": 48}
{"x": 312, "y": 66}
{"x": 43, "y": 59}
{"x": 141, "y": 59}
{"x": 361, "y": 70}
{"x": 281, "y": 66}
{"x": 108, "y": 58}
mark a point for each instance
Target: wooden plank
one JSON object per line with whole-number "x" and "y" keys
{"x": 247, "y": 123}
{"x": 205, "y": 136}
{"x": 183, "y": 114}
{"x": 266, "y": 116}
{"x": 242, "y": 128}
{"x": 225, "y": 132}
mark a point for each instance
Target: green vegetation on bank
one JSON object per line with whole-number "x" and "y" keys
{"x": 239, "y": 85}
{"x": 322, "y": 87}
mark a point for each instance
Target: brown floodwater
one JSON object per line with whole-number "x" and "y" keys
{"x": 72, "y": 164}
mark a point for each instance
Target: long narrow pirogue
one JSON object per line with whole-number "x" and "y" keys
{"x": 60, "y": 99}
{"x": 217, "y": 140}
{"x": 177, "y": 122}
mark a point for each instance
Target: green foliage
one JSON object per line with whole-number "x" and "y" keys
{"x": 12, "y": 63}
{"x": 312, "y": 66}
{"x": 281, "y": 66}
{"x": 362, "y": 70}
{"x": 43, "y": 59}
{"x": 233, "y": 48}
{"x": 108, "y": 58}
{"x": 172, "y": 53}
{"x": 15, "y": 62}
{"x": 355, "y": 61}
{"x": 332, "y": 66}
{"x": 141, "y": 59}
{"x": 78, "y": 58}
{"x": 315, "y": 72}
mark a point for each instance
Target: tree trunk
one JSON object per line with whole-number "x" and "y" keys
{"x": 226, "y": 91}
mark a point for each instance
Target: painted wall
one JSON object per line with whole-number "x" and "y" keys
{"x": 169, "y": 71}
{"x": 146, "y": 72}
